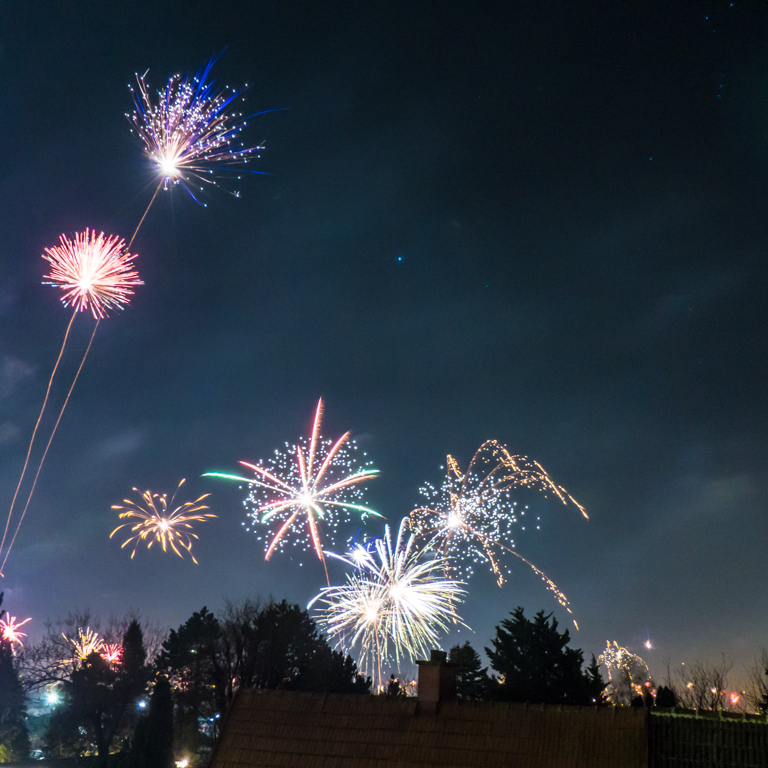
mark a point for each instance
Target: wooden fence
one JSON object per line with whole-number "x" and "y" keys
{"x": 707, "y": 740}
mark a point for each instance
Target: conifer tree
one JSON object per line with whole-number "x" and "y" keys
{"x": 536, "y": 665}
{"x": 472, "y": 681}
{"x": 14, "y": 738}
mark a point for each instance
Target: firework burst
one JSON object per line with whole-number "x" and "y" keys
{"x": 191, "y": 130}
{"x": 395, "y": 603}
{"x": 86, "y": 643}
{"x": 626, "y": 670}
{"x": 151, "y": 521}
{"x": 94, "y": 271}
{"x": 471, "y": 517}
{"x": 10, "y": 629}
{"x": 309, "y": 484}
{"x": 112, "y": 653}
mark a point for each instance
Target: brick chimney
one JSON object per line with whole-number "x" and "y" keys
{"x": 437, "y": 681}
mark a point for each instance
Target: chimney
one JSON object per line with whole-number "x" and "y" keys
{"x": 437, "y": 681}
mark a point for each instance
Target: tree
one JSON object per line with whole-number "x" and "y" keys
{"x": 665, "y": 697}
{"x": 152, "y": 745}
{"x": 394, "y": 689}
{"x": 472, "y": 680}
{"x": 52, "y": 660}
{"x": 595, "y": 683}
{"x": 100, "y": 702}
{"x": 14, "y": 738}
{"x": 701, "y": 686}
{"x": 278, "y": 645}
{"x": 536, "y": 665}
{"x": 757, "y": 683}
{"x": 190, "y": 657}
{"x": 254, "y": 645}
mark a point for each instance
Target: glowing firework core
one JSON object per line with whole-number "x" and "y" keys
{"x": 190, "y": 130}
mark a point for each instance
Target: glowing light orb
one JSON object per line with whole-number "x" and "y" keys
{"x": 52, "y": 698}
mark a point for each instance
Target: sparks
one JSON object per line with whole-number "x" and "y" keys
{"x": 624, "y": 668}
{"x": 10, "y": 630}
{"x": 87, "y": 642}
{"x": 191, "y": 131}
{"x": 310, "y": 483}
{"x": 394, "y": 604}
{"x": 471, "y": 516}
{"x": 94, "y": 271}
{"x": 157, "y": 524}
{"x": 112, "y": 653}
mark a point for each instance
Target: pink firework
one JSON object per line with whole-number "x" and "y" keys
{"x": 10, "y": 629}
{"x": 94, "y": 271}
{"x": 112, "y": 653}
{"x": 314, "y": 482}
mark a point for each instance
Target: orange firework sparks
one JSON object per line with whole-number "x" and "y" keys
{"x": 87, "y": 642}
{"x": 156, "y": 524}
{"x": 470, "y": 517}
{"x": 112, "y": 653}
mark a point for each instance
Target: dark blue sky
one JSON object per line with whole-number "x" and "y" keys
{"x": 543, "y": 223}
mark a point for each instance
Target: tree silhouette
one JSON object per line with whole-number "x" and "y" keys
{"x": 472, "y": 680}
{"x": 152, "y": 745}
{"x": 536, "y": 665}
{"x": 666, "y": 697}
{"x": 100, "y": 702}
{"x": 14, "y": 738}
{"x": 274, "y": 645}
{"x": 278, "y": 645}
{"x": 190, "y": 658}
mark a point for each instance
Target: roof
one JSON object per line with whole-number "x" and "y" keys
{"x": 283, "y": 729}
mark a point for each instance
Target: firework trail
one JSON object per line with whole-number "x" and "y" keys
{"x": 156, "y": 524}
{"x": 190, "y": 133}
{"x": 95, "y": 272}
{"x": 310, "y": 483}
{"x": 471, "y": 517}
{"x": 393, "y": 605}
{"x": 10, "y": 630}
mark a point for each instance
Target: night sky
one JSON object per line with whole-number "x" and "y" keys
{"x": 543, "y": 223}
